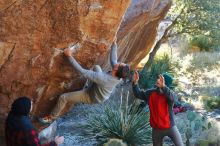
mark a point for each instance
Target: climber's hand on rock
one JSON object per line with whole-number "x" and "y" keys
{"x": 115, "y": 40}
{"x": 114, "y": 43}
{"x": 72, "y": 49}
{"x": 68, "y": 52}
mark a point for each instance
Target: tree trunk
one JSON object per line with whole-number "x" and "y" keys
{"x": 152, "y": 54}
{"x": 162, "y": 40}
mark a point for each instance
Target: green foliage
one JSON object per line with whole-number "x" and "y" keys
{"x": 196, "y": 17}
{"x": 115, "y": 142}
{"x": 160, "y": 65}
{"x": 203, "y": 42}
{"x": 128, "y": 123}
{"x": 188, "y": 133}
{"x": 191, "y": 116}
{"x": 211, "y": 102}
{"x": 203, "y": 142}
{"x": 196, "y": 122}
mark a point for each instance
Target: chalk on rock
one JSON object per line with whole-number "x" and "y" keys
{"x": 75, "y": 47}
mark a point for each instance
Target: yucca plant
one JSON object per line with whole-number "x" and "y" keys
{"x": 212, "y": 102}
{"x": 126, "y": 122}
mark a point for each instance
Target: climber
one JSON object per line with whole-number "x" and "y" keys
{"x": 160, "y": 100}
{"x": 19, "y": 130}
{"x": 101, "y": 85}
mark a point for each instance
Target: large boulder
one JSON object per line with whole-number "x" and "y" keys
{"x": 34, "y": 33}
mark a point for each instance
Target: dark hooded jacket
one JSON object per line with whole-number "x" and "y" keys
{"x": 19, "y": 130}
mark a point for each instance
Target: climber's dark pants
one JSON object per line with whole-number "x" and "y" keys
{"x": 173, "y": 133}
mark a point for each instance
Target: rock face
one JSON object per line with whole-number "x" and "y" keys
{"x": 34, "y": 33}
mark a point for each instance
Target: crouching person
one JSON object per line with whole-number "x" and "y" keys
{"x": 19, "y": 130}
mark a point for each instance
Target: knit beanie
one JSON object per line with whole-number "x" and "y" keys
{"x": 168, "y": 79}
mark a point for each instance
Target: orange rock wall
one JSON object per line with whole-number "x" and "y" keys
{"x": 33, "y": 34}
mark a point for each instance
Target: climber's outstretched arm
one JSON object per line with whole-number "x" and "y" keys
{"x": 89, "y": 74}
{"x": 113, "y": 55}
{"x": 76, "y": 65}
{"x": 68, "y": 53}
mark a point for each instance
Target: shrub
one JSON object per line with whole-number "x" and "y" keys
{"x": 160, "y": 65}
{"x": 212, "y": 102}
{"x": 203, "y": 42}
{"x": 205, "y": 59}
{"x": 128, "y": 123}
{"x": 115, "y": 142}
{"x": 195, "y": 123}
